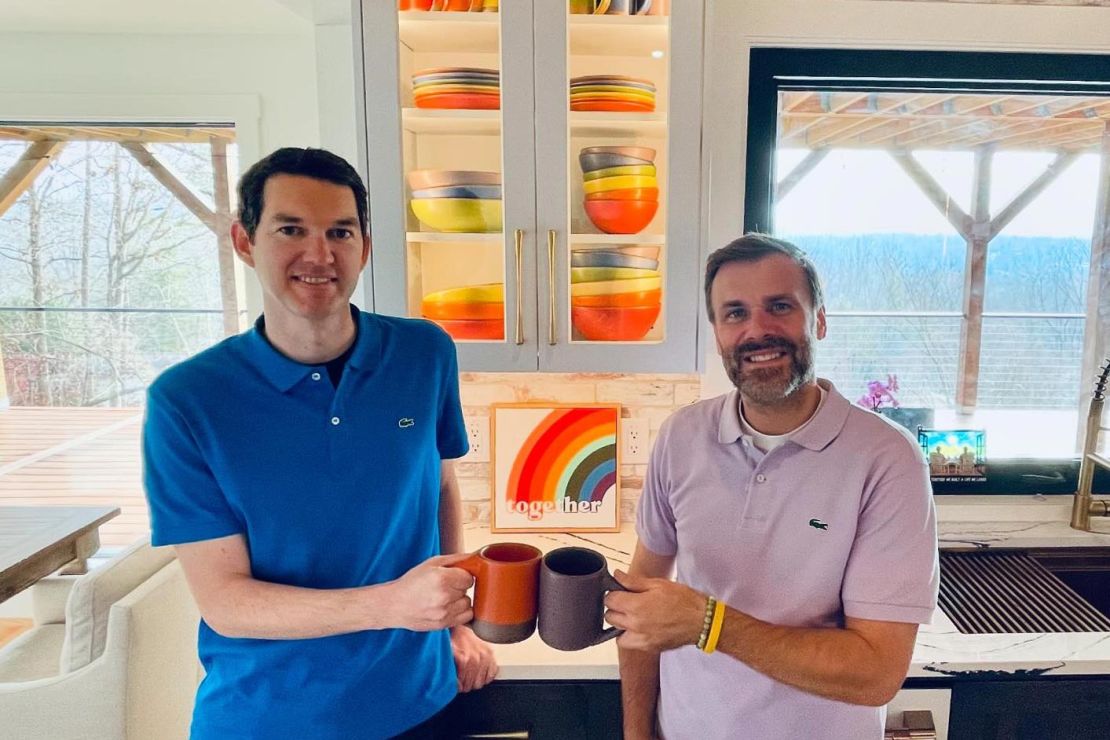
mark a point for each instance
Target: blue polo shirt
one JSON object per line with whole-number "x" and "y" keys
{"x": 331, "y": 488}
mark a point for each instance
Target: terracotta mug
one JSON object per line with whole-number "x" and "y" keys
{"x": 506, "y": 581}
{"x": 573, "y": 583}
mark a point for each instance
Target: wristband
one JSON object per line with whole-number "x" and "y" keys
{"x": 715, "y": 628}
{"x": 707, "y": 623}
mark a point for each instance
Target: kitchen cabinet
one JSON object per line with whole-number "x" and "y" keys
{"x": 539, "y": 710}
{"x": 541, "y": 259}
{"x": 1061, "y": 708}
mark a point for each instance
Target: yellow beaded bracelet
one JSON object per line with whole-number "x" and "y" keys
{"x": 707, "y": 623}
{"x": 715, "y": 628}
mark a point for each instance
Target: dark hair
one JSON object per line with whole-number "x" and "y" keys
{"x": 316, "y": 163}
{"x": 752, "y": 247}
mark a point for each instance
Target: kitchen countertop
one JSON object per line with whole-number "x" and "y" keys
{"x": 941, "y": 651}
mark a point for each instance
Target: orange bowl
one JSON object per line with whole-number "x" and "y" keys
{"x": 473, "y": 329}
{"x": 462, "y": 310}
{"x": 613, "y": 106}
{"x": 602, "y": 324}
{"x": 637, "y": 299}
{"x": 621, "y": 216}
{"x": 625, "y": 194}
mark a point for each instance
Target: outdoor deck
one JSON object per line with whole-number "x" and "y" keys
{"x": 74, "y": 457}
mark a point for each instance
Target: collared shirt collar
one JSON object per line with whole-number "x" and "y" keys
{"x": 284, "y": 373}
{"x": 816, "y": 435}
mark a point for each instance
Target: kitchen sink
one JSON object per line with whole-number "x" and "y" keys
{"x": 1027, "y": 590}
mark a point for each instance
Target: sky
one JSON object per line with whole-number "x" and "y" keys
{"x": 863, "y": 191}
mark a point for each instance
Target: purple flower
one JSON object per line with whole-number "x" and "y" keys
{"x": 879, "y": 393}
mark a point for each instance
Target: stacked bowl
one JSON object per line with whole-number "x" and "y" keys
{"x": 460, "y": 201}
{"x": 612, "y": 93}
{"x": 615, "y": 293}
{"x": 469, "y": 312}
{"x": 622, "y": 192}
{"x": 457, "y": 88}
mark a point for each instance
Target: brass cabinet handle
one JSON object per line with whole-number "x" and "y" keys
{"x": 519, "y": 238}
{"x": 551, "y": 339}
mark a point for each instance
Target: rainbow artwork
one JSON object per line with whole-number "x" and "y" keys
{"x": 564, "y": 472}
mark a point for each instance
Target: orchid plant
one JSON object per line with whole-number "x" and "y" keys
{"x": 879, "y": 393}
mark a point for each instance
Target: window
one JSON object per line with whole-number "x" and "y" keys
{"x": 114, "y": 264}
{"x": 952, "y": 203}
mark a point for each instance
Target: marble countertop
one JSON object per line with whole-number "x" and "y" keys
{"x": 941, "y": 651}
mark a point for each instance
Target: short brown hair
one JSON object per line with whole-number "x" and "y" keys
{"x": 753, "y": 247}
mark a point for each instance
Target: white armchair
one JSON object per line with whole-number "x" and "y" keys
{"x": 119, "y": 662}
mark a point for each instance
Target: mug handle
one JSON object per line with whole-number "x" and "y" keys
{"x": 602, "y": 7}
{"x": 645, "y": 6}
{"x": 610, "y": 584}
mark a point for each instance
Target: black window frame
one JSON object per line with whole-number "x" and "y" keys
{"x": 776, "y": 69}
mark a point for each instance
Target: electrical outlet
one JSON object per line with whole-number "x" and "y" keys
{"x": 634, "y": 441}
{"x": 477, "y": 434}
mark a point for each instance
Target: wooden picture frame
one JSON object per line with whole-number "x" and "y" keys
{"x": 555, "y": 467}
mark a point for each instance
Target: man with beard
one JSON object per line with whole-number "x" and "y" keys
{"x": 800, "y": 530}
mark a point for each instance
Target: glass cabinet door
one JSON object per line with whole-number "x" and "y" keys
{"x": 618, "y": 186}
{"x": 450, "y": 153}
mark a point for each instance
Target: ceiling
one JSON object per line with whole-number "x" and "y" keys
{"x": 165, "y": 16}
{"x": 956, "y": 121}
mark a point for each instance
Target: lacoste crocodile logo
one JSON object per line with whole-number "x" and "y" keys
{"x": 404, "y": 422}
{"x": 818, "y": 524}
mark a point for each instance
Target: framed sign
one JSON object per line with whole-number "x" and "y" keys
{"x": 555, "y": 468}
{"x": 954, "y": 455}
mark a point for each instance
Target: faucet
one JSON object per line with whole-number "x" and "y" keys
{"x": 1084, "y": 505}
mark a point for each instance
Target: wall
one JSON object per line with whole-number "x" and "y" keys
{"x": 734, "y": 27}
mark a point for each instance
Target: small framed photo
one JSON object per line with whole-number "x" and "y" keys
{"x": 555, "y": 467}
{"x": 954, "y": 455}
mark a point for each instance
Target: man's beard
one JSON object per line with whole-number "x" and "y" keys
{"x": 769, "y": 386}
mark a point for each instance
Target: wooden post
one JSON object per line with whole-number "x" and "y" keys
{"x": 21, "y": 174}
{"x": 229, "y": 299}
{"x": 175, "y": 186}
{"x": 975, "y": 281}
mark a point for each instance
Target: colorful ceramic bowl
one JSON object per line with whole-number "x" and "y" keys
{"x": 645, "y": 153}
{"x": 609, "y": 287}
{"x": 590, "y": 161}
{"x": 462, "y": 310}
{"x": 626, "y": 194}
{"x": 622, "y": 182}
{"x": 603, "y": 258}
{"x": 621, "y": 216}
{"x": 484, "y": 293}
{"x": 638, "y": 298}
{"x": 458, "y": 101}
{"x": 461, "y": 215}
{"x": 644, "y": 170}
{"x": 420, "y": 179}
{"x": 613, "y": 106}
{"x": 595, "y": 274}
{"x": 481, "y": 329}
{"x": 460, "y": 191}
{"x": 600, "y": 324}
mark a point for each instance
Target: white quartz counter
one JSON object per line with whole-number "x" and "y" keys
{"x": 964, "y": 522}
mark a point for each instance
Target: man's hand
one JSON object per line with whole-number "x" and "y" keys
{"x": 656, "y": 614}
{"x": 474, "y": 661}
{"x": 432, "y": 596}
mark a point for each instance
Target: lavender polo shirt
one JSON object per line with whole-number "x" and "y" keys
{"x": 839, "y": 521}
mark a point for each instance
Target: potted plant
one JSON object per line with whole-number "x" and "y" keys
{"x": 880, "y": 398}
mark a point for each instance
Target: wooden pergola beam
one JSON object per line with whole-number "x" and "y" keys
{"x": 803, "y": 168}
{"x": 934, "y": 192}
{"x": 975, "y": 284}
{"x": 1062, "y": 161}
{"x": 175, "y": 186}
{"x": 21, "y": 174}
{"x": 1096, "y": 338}
{"x": 229, "y": 298}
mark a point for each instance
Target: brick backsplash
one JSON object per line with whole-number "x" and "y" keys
{"x": 650, "y": 397}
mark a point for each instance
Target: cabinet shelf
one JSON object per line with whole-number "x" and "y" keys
{"x": 599, "y": 123}
{"x": 600, "y": 35}
{"x": 431, "y": 121}
{"x": 639, "y": 239}
{"x": 439, "y": 237}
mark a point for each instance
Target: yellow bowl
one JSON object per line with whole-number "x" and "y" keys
{"x": 610, "y": 287}
{"x": 468, "y": 215}
{"x": 484, "y": 293}
{"x": 640, "y": 170}
{"x": 620, "y": 182}
{"x": 595, "y": 274}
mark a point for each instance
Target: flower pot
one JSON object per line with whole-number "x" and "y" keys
{"x": 909, "y": 417}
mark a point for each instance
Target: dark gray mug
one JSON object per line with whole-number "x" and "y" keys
{"x": 573, "y": 583}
